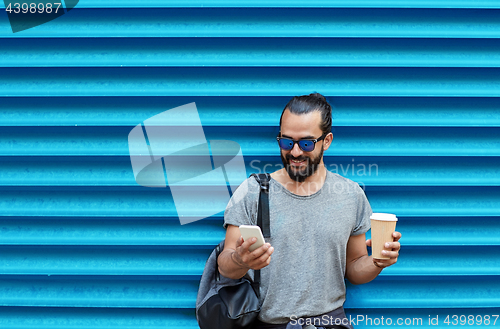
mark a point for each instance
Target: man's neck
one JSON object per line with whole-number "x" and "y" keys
{"x": 311, "y": 185}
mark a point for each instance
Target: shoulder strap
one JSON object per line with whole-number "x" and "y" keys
{"x": 263, "y": 210}
{"x": 218, "y": 250}
{"x": 262, "y": 216}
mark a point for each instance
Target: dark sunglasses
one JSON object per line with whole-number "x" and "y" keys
{"x": 306, "y": 145}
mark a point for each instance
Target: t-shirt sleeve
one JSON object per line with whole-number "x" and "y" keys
{"x": 243, "y": 205}
{"x": 364, "y": 211}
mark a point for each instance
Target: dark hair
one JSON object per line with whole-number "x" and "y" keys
{"x": 309, "y": 103}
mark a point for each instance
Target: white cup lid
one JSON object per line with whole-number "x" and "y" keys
{"x": 384, "y": 216}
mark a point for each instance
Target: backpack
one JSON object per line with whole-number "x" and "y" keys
{"x": 224, "y": 303}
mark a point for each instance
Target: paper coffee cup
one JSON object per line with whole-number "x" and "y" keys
{"x": 382, "y": 227}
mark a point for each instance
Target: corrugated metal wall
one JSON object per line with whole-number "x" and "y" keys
{"x": 416, "y": 86}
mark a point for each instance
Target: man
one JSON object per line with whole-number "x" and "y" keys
{"x": 318, "y": 222}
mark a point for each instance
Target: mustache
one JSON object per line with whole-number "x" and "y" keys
{"x": 290, "y": 157}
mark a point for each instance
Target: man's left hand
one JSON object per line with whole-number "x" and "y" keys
{"x": 391, "y": 250}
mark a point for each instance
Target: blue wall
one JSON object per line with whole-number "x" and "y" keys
{"x": 415, "y": 85}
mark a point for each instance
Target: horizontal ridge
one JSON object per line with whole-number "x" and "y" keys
{"x": 249, "y": 52}
{"x": 267, "y": 22}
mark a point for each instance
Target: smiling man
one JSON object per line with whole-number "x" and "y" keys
{"x": 318, "y": 222}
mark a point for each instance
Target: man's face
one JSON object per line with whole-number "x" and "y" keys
{"x": 300, "y": 164}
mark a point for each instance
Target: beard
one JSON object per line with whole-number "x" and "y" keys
{"x": 300, "y": 174}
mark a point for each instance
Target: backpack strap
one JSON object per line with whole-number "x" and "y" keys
{"x": 263, "y": 211}
{"x": 217, "y": 253}
{"x": 262, "y": 217}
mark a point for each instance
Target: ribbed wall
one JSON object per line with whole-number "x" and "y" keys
{"x": 416, "y": 90}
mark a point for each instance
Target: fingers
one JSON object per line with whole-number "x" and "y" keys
{"x": 239, "y": 242}
{"x": 392, "y": 246}
{"x": 263, "y": 264}
{"x": 265, "y": 258}
{"x": 242, "y": 253}
{"x": 263, "y": 251}
{"x": 390, "y": 254}
{"x": 369, "y": 242}
{"x": 391, "y": 250}
{"x": 383, "y": 263}
{"x": 257, "y": 259}
{"x": 246, "y": 244}
{"x": 396, "y": 235}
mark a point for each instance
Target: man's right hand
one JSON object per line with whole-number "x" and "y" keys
{"x": 235, "y": 260}
{"x": 257, "y": 259}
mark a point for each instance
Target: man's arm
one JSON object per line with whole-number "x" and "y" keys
{"x": 235, "y": 260}
{"x": 361, "y": 268}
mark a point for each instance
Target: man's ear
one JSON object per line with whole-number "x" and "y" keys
{"x": 328, "y": 141}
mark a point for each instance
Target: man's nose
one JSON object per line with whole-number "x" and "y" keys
{"x": 296, "y": 151}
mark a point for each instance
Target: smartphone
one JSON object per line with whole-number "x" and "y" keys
{"x": 252, "y": 231}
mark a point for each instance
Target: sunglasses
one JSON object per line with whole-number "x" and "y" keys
{"x": 306, "y": 145}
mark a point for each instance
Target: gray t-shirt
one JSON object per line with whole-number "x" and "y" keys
{"x": 309, "y": 235}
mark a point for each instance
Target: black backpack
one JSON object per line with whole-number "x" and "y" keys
{"x": 224, "y": 303}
